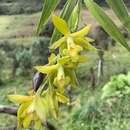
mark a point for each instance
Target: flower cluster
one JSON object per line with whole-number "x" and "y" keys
{"x": 60, "y": 73}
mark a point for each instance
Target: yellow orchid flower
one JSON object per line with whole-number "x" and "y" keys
{"x": 31, "y": 108}
{"x": 52, "y": 58}
{"x": 60, "y": 73}
{"x": 51, "y": 68}
{"x": 73, "y": 57}
{"x": 62, "y": 27}
{"x": 58, "y": 69}
{"x": 61, "y": 83}
{"x": 61, "y": 80}
{"x": 73, "y": 49}
{"x": 24, "y": 102}
{"x": 85, "y": 43}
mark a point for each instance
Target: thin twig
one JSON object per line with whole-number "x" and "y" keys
{"x": 8, "y": 110}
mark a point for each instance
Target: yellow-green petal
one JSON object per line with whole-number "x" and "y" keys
{"x": 46, "y": 69}
{"x": 89, "y": 39}
{"x": 57, "y": 43}
{"x": 37, "y": 125}
{"x": 23, "y": 107}
{"x": 27, "y": 120}
{"x": 20, "y": 99}
{"x": 71, "y": 73}
{"x": 60, "y": 73}
{"x": 52, "y": 58}
{"x": 53, "y": 104}
{"x": 84, "y": 42}
{"x": 41, "y": 108}
{"x": 60, "y": 25}
{"x": 64, "y": 60}
{"x": 82, "y": 59}
{"x": 62, "y": 98}
{"x": 31, "y": 108}
{"x": 82, "y": 32}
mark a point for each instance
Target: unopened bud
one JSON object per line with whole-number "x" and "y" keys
{"x": 37, "y": 80}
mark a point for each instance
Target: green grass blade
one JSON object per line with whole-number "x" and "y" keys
{"x": 65, "y": 14}
{"x": 105, "y": 21}
{"x": 118, "y": 6}
{"x": 48, "y": 7}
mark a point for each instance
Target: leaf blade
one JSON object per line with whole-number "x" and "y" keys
{"x": 106, "y": 22}
{"x": 48, "y": 7}
{"x": 118, "y": 6}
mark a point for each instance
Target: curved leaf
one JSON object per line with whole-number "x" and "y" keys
{"x": 105, "y": 21}
{"x": 48, "y": 7}
{"x": 118, "y": 6}
{"x": 75, "y": 16}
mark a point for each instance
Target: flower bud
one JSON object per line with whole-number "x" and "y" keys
{"x": 37, "y": 80}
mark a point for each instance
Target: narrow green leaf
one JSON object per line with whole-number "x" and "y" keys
{"x": 106, "y": 22}
{"x": 75, "y": 16}
{"x": 65, "y": 14}
{"x": 48, "y": 7}
{"x": 118, "y": 6}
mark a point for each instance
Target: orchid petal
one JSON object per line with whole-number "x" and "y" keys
{"x": 46, "y": 69}
{"x": 62, "y": 98}
{"x": 23, "y": 107}
{"x": 60, "y": 25}
{"x": 41, "y": 108}
{"x": 82, "y": 32}
{"x": 84, "y": 42}
{"x": 64, "y": 60}
{"x": 27, "y": 120}
{"x": 57, "y": 43}
{"x": 20, "y": 99}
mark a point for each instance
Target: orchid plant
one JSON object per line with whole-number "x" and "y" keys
{"x": 36, "y": 107}
{"x": 60, "y": 73}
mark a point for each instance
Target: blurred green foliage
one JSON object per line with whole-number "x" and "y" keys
{"x": 2, "y": 62}
{"x": 24, "y": 56}
{"x": 96, "y": 114}
{"x": 118, "y": 86}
